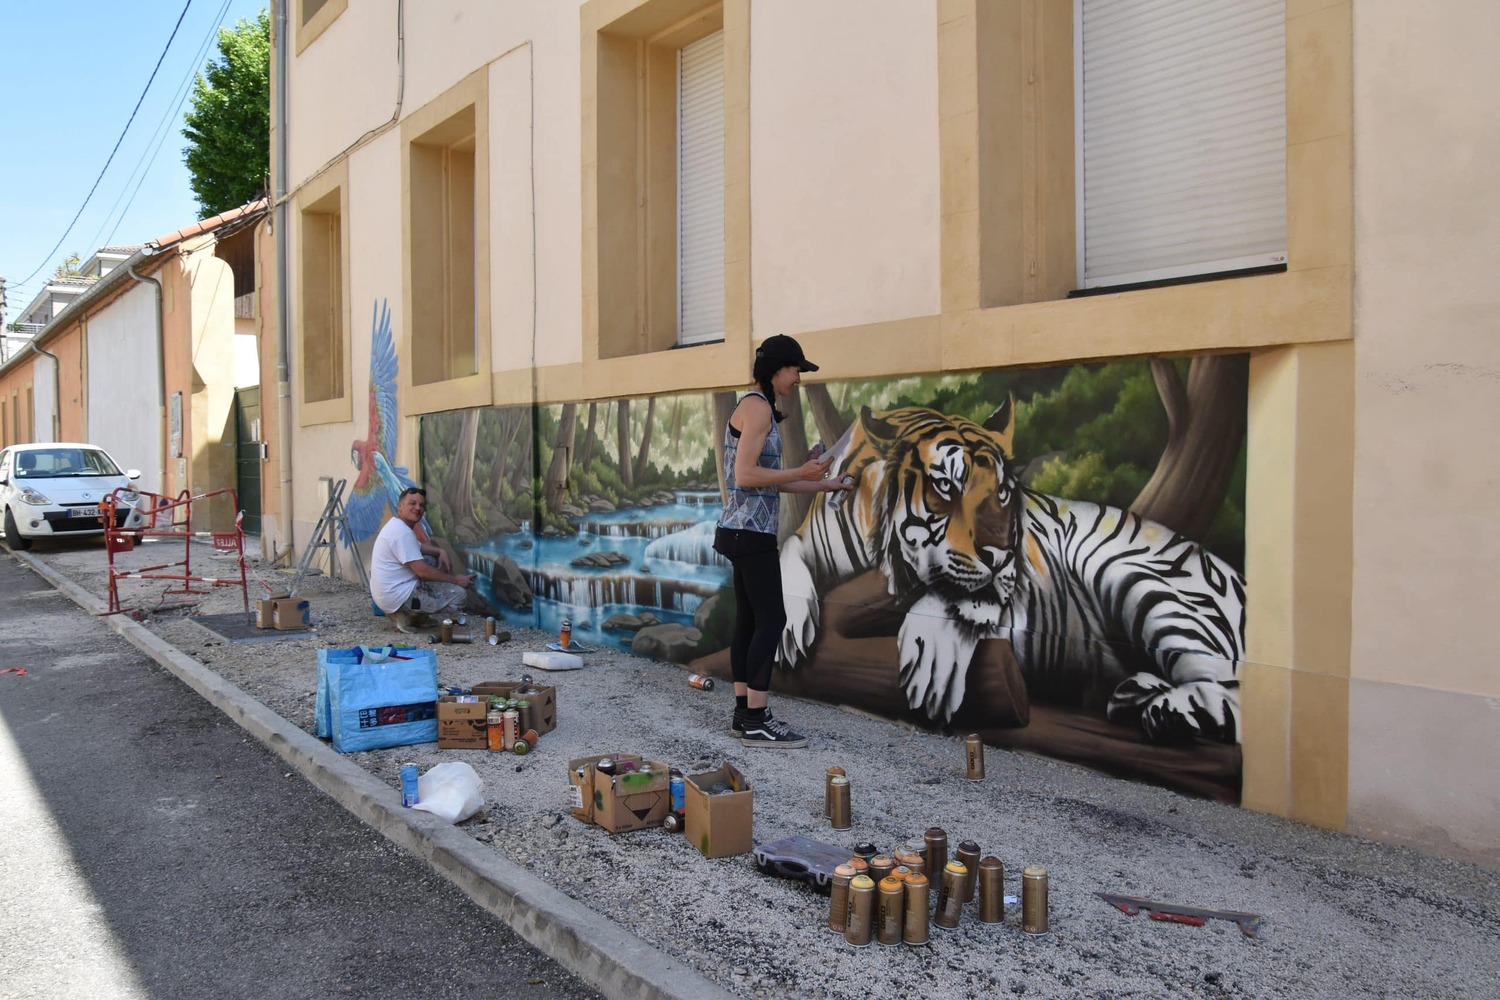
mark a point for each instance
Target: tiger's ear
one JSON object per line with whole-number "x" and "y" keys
{"x": 880, "y": 432}
{"x": 1002, "y": 424}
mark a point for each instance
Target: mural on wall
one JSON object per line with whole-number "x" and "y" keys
{"x": 1051, "y": 558}
{"x": 378, "y": 480}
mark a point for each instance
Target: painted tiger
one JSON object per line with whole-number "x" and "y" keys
{"x": 1102, "y": 608}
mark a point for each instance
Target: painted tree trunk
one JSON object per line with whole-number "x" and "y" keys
{"x": 622, "y": 442}
{"x": 644, "y": 455}
{"x": 562, "y": 458}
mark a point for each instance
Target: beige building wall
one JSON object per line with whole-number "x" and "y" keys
{"x": 1425, "y": 699}
{"x": 844, "y": 212}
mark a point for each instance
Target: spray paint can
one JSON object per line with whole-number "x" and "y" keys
{"x": 860, "y": 865}
{"x": 1034, "y": 899}
{"x": 672, "y": 823}
{"x": 837, "y": 500}
{"x": 447, "y": 631}
{"x": 679, "y": 791}
{"x": 838, "y": 899}
{"x": 408, "y": 785}
{"x": 882, "y": 866}
{"x": 565, "y": 633}
{"x": 702, "y": 682}
{"x": 527, "y": 739}
{"x": 510, "y": 729}
{"x": 828, "y": 791}
{"x": 890, "y": 908}
{"x": 865, "y": 849}
{"x": 912, "y": 860}
{"x": 861, "y": 911}
{"x": 839, "y": 810}
{"x": 968, "y": 853}
{"x": 494, "y": 722}
{"x": 991, "y": 891}
{"x": 522, "y": 746}
{"x": 935, "y": 853}
{"x": 489, "y": 630}
{"x": 974, "y": 756}
{"x": 914, "y": 930}
{"x": 950, "y": 901}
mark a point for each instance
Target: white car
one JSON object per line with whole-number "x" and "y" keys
{"x": 55, "y": 491}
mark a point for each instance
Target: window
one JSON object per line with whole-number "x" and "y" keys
{"x": 666, "y": 237}
{"x": 313, "y": 17}
{"x": 443, "y": 251}
{"x": 322, "y": 299}
{"x": 1181, "y": 145}
{"x": 445, "y": 242}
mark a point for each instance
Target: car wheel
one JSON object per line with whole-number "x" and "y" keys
{"x": 13, "y": 538}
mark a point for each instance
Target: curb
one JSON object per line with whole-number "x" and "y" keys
{"x": 597, "y": 950}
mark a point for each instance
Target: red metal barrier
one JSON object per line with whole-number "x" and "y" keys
{"x": 171, "y": 519}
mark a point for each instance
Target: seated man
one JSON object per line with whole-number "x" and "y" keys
{"x": 403, "y": 582}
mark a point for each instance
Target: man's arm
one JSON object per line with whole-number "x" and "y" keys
{"x": 424, "y": 570}
{"x": 437, "y": 552}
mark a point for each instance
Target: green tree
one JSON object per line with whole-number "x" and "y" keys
{"x": 229, "y": 123}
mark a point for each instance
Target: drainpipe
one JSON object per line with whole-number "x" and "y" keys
{"x": 283, "y": 378}
{"x": 56, "y": 421}
{"x": 161, "y": 376}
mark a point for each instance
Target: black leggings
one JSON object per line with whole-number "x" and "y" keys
{"x": 760, "y": 608}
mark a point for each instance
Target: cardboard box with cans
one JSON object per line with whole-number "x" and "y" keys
{"x": 720, "y": 816}
{"x": 540, "y": 713}
{"x": 461, "y": 723}
{"x": 619, "y": 792}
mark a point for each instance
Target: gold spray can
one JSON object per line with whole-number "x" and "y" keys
{"x": 828, "y": 791}
{"x": 1034, "y": 899}
{"x": 950, "y": 901}
{"x": 860, "y": 865}
{"x": 912, "y": 860}
{"x": 968, "y": 853}
{"x": 881, "y": 868}
{"x": 838, "y": 900}
{"x": 914, "y": 929}
{"x": 890, "y": 909}
{"x": 991, "y": 891}
{"x": 838, "y": 808}
{"x": 936, "y": 853}
{"x": 489, "y": 629}
{"x": 447, "y": 631}
{"x": 974, "y": 756}
{"x": 861, "y": 911}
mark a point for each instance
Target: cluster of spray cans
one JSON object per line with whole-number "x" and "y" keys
{"x": 503, "y": 724}
{"x": 448, "y": 635}
{"x": 896, "y": 898}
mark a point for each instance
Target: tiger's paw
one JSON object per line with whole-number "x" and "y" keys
{"x": 803, "y": 609}
{"x": 934, "y": 653}
{"x": 1168, "y": 714}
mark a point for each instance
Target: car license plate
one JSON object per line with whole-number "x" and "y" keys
{"x": 83, "y": 512}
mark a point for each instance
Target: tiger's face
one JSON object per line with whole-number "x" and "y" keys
{"x": 951, "y": 506}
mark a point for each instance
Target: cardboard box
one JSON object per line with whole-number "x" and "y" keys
{"x": 462, "y": 725}
{"x": 288, "y": 615}
{"x": 265, "y": 609}
{"x": 720, "y": 826}
{"x": 632, "y": 800}
{"x": 581, "y": 786}
{"x": 542, "y": 715}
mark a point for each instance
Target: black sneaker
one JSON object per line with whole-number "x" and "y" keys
{"x": 771, "y": 732}
{"x": 737, "y": 726}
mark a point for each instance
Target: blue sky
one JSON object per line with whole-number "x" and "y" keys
{"x": 70, "y": 74}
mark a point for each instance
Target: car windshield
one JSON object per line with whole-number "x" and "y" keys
{"x": 57, "y": 463}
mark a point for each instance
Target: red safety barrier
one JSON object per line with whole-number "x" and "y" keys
{"x": 167, "y": 519}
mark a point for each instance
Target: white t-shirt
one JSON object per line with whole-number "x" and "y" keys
{"x": 391, "y": 582}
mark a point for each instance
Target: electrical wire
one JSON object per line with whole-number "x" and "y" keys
{"x": 138, "y": 103}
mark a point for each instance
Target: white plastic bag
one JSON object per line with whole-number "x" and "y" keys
{"x": 450, "y": 791}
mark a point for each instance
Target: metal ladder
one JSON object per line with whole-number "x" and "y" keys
{"x": 326, "y": 536}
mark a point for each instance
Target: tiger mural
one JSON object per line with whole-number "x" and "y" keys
{"x": 1100, "y": 605}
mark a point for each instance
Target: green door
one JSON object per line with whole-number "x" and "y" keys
{"x": 248, "y": 451}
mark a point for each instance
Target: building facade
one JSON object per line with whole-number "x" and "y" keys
{"x": 1202, "y": 353}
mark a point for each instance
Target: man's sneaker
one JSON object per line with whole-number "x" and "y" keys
{"x": 771, "y": 732}
{"x": 403, "y": 620}
{"x": 737, "y": 727}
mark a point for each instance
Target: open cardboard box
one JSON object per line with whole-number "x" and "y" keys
{"x": 628, "y": 800}
{"x": 462, "y": 725}
{"x": 279, "y": 611}
{"x": 720, "y": 826}
{"x": 541, "y": 716}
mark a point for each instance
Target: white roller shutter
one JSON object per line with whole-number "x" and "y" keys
{"x": 700, "y": 191}
{"x": 1182, "y": 137}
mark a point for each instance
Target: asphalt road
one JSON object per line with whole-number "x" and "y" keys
{"x": 148, "y": 848}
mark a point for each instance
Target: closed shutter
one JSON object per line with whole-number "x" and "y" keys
{"x": 1182, "y": 122}
{"x": 700, "y": 191}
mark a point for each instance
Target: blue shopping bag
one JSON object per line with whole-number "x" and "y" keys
{"x": 374, "y": 697}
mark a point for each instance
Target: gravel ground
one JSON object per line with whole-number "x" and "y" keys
{"x": 1344, "y": 917}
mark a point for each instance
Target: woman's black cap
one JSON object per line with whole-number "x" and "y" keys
{"x": 784, "y": 351}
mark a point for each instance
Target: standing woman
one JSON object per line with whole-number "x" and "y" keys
{"x": 746, "y": 534}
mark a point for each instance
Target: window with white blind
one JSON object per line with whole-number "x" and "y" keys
{"x": 700, "y": 190}
{"x": 1181, "y": 145}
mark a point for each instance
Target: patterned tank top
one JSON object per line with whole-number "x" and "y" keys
{"x": 751, "y": 508}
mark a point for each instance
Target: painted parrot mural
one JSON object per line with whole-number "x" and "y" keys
{"x": 380, "y": 481}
